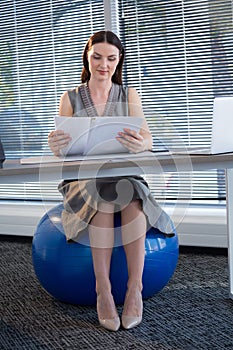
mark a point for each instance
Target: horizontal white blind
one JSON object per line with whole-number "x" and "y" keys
{"x": 179, "y": 57}
{"x": 41, "y": 45}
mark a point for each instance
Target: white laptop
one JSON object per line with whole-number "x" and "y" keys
{"x": 222, "y": 130}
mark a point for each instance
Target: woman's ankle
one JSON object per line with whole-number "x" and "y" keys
{"x": 103, "y": 286}
{"x": 106, "y": 307}
{"x": 134, "y": 286}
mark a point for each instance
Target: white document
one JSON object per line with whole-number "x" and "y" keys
{"x": 97, "y": 135}
{"x": 78, "y": 129}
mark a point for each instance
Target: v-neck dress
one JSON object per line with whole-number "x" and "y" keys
{"x": 81, "y": 198}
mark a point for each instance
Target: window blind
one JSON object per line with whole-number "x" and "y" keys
{"x": 41, "y": 45}
{"x": 179, "y": 55}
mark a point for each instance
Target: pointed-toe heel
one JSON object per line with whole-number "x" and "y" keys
{"x": 112, "y": 324}
{"x": 129, "y": 322}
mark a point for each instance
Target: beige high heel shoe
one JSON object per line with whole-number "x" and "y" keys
{"x": 112, "y": 324}
{"x": 129, "y": 322}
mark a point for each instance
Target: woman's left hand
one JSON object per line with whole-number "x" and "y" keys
{"x": 132, "y": 140}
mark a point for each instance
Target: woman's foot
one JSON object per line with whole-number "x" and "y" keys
{"x": 133, "y": 308}
{"x": 107, "y": 313}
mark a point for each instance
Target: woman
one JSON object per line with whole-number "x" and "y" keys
{"x": 91, "y": 203}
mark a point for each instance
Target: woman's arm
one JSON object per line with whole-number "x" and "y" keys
{"x": 136, "y": 142}
{"x": 65, "y": 108}
{"x": 57, "y": 139}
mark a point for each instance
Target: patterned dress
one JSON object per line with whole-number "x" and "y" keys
{"x": 81, "y": 197}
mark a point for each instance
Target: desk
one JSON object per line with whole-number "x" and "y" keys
{"x": 13, "y": 171}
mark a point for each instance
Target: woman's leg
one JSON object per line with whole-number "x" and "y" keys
{"x": 101, "y": 233}
{"x": 133, "y": 238}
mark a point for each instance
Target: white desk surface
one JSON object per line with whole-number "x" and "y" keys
{"x": 13, "y": 171}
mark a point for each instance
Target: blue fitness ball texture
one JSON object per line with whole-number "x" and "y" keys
{"x": 65, "y": 270}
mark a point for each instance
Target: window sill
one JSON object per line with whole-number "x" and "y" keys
{"x": 199, "y": 224}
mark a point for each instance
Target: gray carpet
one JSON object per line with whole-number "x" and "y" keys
{"x": 192, "y": 312}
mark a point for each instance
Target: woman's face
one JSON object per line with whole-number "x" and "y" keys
{"x": 103, "y": 59}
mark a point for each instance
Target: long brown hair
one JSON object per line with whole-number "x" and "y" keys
{"x": 103, "y": 37}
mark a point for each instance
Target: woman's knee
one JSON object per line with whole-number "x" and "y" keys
{"x": 106, "y": 207}
{"x": 133, "y": 213}
{"x": 134, "y": 206}
{"x": 104, "y": 217}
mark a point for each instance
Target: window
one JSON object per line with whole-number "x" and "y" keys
{"x": 41, "y": 44}
{"x": 179, "y": 57}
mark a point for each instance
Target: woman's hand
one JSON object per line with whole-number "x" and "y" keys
{"x": 57, "y": 139}
{"x": 132, "y": 140}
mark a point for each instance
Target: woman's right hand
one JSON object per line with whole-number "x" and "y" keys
{"x": 57, "y": 139}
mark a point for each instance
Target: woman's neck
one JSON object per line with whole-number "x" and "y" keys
{"x": 99, "y": 88}
{"x": 99, "y": 92}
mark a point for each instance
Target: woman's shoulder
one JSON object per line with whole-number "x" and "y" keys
{"x": 125, "y": 88}
{"x": 69, "y": 97}
{"x": 75, "y": 90}
{"x": 129, "y": 89}
{"x": 132, "y": 89}
{"x": 133, "y": 95}
{"x": 128, "y": 93}
{"x": 74, "y": 94}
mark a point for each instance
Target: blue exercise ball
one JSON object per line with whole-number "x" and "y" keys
{"x": 65, "y": 270}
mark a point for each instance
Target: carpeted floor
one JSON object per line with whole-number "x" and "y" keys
{"x": 192, "y": 312}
